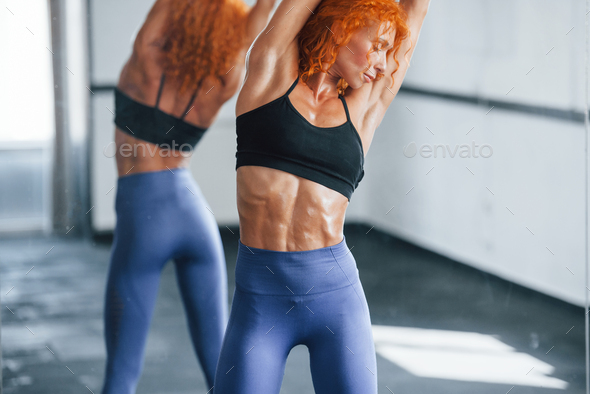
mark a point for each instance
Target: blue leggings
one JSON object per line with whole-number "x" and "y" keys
{"x": 161, "y": 216}
{"x": 284, "y": 299}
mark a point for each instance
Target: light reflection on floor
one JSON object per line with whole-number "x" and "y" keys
{"x": 465, "y": 356}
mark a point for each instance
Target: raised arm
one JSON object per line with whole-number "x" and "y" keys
{"x": 150, "y": 32}
{"x": 381, "y": 93}
{"x": 257, "y": 19}
{"x": 147, "y": 45}
{"x": 285, "y": 24}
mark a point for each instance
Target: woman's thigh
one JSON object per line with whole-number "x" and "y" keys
{"x": 342, "y": 352}
{"x": 257, "y": 341}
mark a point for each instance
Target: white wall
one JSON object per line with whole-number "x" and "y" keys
{"x": 485, "y": 48}
{"x": 474, "y": 210}
{"x": 477, "y": 210}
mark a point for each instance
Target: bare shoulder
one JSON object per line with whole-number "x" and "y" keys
{"x": 284, "y": 26}
{"x": 150, "y": 35}
{"x": 268, "y": 76}
{"x": 142, "y": 71}
{"x": 273, "y": 59}
{"x": 232, "y": 78}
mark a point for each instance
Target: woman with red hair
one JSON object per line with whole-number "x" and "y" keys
{"x": 187, "y": 61}
{"x": 319, "y": 81}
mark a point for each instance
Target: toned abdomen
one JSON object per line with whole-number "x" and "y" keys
{"x": 283, "y": 212}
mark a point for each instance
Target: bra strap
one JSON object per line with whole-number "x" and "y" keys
{"x": 293, "y": 85}
{"x": 160, "y": 89}
{"x": 186, "y": 110}
{"x": 345, "y": 107}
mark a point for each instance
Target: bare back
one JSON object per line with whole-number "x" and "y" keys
{"x": 140, "y": 79}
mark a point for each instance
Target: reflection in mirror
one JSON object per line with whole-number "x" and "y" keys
{"x": 469, "y": 227}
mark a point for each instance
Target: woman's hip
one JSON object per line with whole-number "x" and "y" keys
{"x": 301, "y": 273}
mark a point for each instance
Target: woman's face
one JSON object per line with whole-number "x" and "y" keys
{"x": 351, "y": 62}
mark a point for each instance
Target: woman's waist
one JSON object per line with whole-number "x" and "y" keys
{"x": 135, "y": 165}
{"x": 134, "y": 155}
{"x": 287, "y": 231}
{"x": 167, "y": 186}
{"x": 271, "y": 272}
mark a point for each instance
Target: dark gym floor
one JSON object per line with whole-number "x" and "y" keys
{"x": 439, "y": 326}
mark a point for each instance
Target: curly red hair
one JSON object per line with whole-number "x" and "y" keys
{"x": 203, "y": 38}
{"x": 345, "y": 17}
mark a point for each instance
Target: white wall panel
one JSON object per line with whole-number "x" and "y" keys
{"x": 518, "y": 214}
{"x": 486, "y": 48}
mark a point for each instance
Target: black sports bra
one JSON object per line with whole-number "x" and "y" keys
{"x": 153, "y": 125}
{"x": 276, "y": 135}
